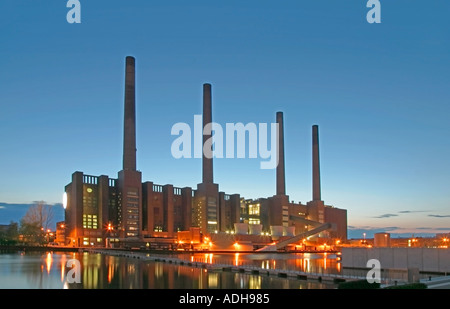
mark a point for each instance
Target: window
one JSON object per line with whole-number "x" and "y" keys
{"x": 90, "y": 221}
{"x": 253, "y": 209}
{"x": 254, "y": 221}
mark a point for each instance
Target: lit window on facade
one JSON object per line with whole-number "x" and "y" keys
{"x": 253, "y": 209}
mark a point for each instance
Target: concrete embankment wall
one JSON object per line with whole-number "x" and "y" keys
{"x": 425, "y": 259}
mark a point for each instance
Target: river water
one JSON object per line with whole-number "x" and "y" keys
{"x": 50, "y": 270}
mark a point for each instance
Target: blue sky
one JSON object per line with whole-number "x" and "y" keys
{"x": 379, "y": 93}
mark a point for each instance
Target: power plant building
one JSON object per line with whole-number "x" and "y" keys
{"x": 100, "y": 210}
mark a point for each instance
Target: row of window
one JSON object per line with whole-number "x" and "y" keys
{"x": 90, "y": 221}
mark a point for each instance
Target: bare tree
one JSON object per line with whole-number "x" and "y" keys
{"x": 36, "y": 221}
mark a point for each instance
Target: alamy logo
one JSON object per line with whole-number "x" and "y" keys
{"x": 74, "y": 14}
{"x": 74, "y": 274}
{"x": 214, "y": 145}
{"x": 374, "y": 14}
{"x": 374, "y": 275}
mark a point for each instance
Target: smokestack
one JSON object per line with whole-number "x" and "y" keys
{"x": 207, "y": 118}
{"x": 281, "y": 187}
{"x": 129, "y": 132}
{"x": 316, "y": 163}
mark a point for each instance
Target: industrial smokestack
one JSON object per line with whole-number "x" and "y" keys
{"x": 316, "y": 163}
{"x": 281, "y": 187}
{"x": 129, "y": 133}
{"x": 207, "y": 118}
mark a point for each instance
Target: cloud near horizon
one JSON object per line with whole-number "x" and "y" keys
{"x": 439, "y": 216}
{"x": 411, "y": 211}
{"x": 385, "y": 216}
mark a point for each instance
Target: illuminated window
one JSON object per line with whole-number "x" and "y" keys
{"x": 254, "y": 221}
{"x": 90, "y": 221}
{"x": 253, "y": 209}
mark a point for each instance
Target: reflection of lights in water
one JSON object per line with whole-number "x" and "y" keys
{"x": 63, "y": 267}
{"x": 299, "y": 263}
{"x": 208, "y": 258}
{"x": 49, "y": 261}
{"x": 213, "y": 280}
{"x": 265, "y": 264}
{"x": 254, "y": 282}
{"x": 236, "y": 259}
{"x": 159, "y": 271}
{"x": 325, "y": 262}
{"x": 339, "y": 267}
{"x": 110, "y": 271}
{"x": 66, "y": 285}
{"x": 306, "y": 264}
{"x": 241, "y": 282}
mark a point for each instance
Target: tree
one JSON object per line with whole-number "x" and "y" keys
{"x": 36, "y": 221}
{"x": 9, "y": 233}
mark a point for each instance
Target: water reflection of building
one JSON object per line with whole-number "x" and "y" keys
{"x": 99, "y": 271}
{"x": 101, "y": 211}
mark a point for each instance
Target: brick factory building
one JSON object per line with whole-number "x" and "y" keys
{"x": 100, "y": 210}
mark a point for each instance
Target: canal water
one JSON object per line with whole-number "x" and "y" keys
{"x": 50, "y": 270}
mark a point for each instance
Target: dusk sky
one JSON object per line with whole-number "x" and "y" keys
{"x": 380, "y": 94}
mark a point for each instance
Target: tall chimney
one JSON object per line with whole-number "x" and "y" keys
{"x": 207, "y": 118}
{"x": 316, "y": 163}
{"x": 129, "y": 132}
{"x": 281, "y": 187}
